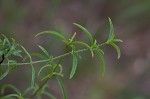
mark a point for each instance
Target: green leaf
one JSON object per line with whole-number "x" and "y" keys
{"x": 74, "y": 66}
{"x": 101, "y": 57}
{"x": 45, "y": 51}
{"x": 17, "y": 53}
{"x": 61, "y": 69}
{"x": 111, "y": 33}
{"x": 27, "y": 53}
{"x": 78, "y": 55}
{"x": 6, "y": 39}
{"x": 52, "y": 32}
{"x": 27, "y": 90}
{"x": 86, "y": 31}
{"x": 41, "y": 69}
{"x": 117, "y": 49}
{"x": 12, "y": 62}
{"x": 10, "y": 96}
{"x": 2, "y": 76}
{"x": 84, "y": 44}
{"x": 38, "y": 55}
{"x": 13, "y": 50}
{"x": 62, "y": 87}
{"x": 3, "y": 52}
{"x": 41, "y": 56}
{"x": 101, "y": 51}
{"x": 49, "y": 95}
{"x": 33, "y": 76}
{"x": 117, "y": 40}
{"x": 81, "y": 43}
{"x": 10, "y": 87}
{"x": 72, "y": 38}
{"x": 58, "y": 74}
{"x": 33, "y": 70}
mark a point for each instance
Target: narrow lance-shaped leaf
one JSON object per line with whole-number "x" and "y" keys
{"x": 10, "y": 51}
{"x": 2, "y": 76}
{"x": 72, "y": 38}
{"x": 111, "y": 33}
{"x": 117, "y": 49}
{"x": 61, "y": 87}
{"x": 49, "y": 95}
{"x": 6, "y": 39}
{"x": 33, "y": 76}
{"x": 38, "y": 55}
{"x": 45, "y": 51}
{"x": 61, "y": 69}
{"x": 52, "y": 32}
{"x": 10, "y": 87}
{"x": 74, "y": 66}
{"x": 43, "y": 67}
{"x": 27, "y": 91}
{"x": 10, "y": 96}
{"x": 101, "y": 57}
{"x": 117, "y": 40}
{"x": 84, "y": 44}
{"x": 33, "y": 70}
{"x": 86, "y": 31}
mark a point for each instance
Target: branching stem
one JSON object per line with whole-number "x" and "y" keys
{"x": 46, "y": 60}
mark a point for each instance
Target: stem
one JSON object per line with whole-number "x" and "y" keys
{"x": 39, "y": 88}
{"x": 46, "y": 60}
{"x": 102, "y": 44}
{"x": 36, "y": 92}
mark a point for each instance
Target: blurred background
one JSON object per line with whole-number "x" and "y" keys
{"x": 126, "y": 78}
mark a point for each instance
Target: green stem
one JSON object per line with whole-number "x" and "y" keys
{"x": 46, "y": 60}
{"x": 102, "y": 44}
{"x": 36, "y": 92}
{"x": 42, "y": 61}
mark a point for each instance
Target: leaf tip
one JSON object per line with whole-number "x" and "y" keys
{"x": 119, "y": 56}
